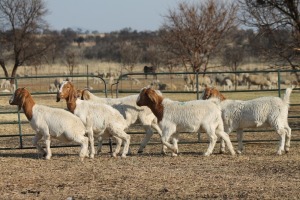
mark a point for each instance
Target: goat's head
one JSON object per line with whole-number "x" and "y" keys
{"x": 19, "y": 97}
{"x": 210, "y": 92}
{"x": 148, "y": 97}
{"x": 66, "y": 91}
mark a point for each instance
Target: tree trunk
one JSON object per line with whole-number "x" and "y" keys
{"x": 2, "y": 63}
{"x": 13, "y": 73}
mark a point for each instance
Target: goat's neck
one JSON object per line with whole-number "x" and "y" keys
{"x": 158, "y": 110}
{"x": 71, "y": 104}
{"x": 28, "y": 107}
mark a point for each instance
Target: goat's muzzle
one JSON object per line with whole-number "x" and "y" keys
{"x": 58, "y": 97}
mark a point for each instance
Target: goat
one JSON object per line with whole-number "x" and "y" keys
{"x": 150, "y": 70}
{"x": 47, "y": 121}
{"x": 258, "y": 80}
{"x": 131, "y": 112}
{"x": 185, "y": 116}
{"x": 99, "y": 119}
{"x": 259, "y": 112}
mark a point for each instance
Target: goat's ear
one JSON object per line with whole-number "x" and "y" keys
{"x": 79, "y": 93}
{"x": 73, "y": 93}
{"x": 151, "y": 95}
{"x": 85, "y": 95}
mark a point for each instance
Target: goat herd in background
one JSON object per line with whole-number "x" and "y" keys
{"x": 92, "y": 118}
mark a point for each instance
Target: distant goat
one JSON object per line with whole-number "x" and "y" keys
{"x": 150, "y": 70}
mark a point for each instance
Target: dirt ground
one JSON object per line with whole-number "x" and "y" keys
{"x": 257, "y": 174}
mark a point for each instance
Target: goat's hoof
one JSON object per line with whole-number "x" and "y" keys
{"x": 287, "y": 149}
{"x": 114, "y": 155}
{"x": 222, "y": 152}
{"x": 279, "y": 153}
{"x": 174, "y": 155}
{"x": 92, "y": 156}
{"x": 140, "y": 151}
{"x": 48, "y": 157}
{"x": 239, "y": 152}
{"x": 206, "y": 154}
{"x": 123, "y": 156}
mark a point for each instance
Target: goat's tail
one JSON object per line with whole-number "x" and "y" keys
{"x": 288, "y": 91}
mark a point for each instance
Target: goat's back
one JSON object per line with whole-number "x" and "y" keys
{"x": 192, "y": 114}
{"x": 57, "y": 120}
{"x": 264, "y": 111}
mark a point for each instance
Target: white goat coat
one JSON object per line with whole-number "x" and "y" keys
{"x": 190, "y": 116}
{"x": 102, "y": 120}
{"x": 86, "y": 110}
{"x": 259, "y": 112}
{"x": 264, "y": 111}
{"x": 60, "y": 123}
{"x": 128, "y": 108}
{"x": 131, "y": 113}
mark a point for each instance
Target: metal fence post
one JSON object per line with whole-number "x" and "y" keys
{"x": 197, "y": 85}
{"x": 278, "y": 74}
{"x": 19, "y": 121}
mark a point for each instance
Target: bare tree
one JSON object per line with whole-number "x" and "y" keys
{"x": 71, "y": 60}
{"x": 130, "y": 55}
{"x": 193, "y": 31}
{"x": 22, "y": 24}
{"x": 278, "y": 21}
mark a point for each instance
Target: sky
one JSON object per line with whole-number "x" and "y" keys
{"x": 108, "y": 15}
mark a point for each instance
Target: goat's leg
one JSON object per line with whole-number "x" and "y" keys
{"x": 175, "y": 143}
{"x": 146, "y": 139}
{"x": 222, "y": 146}
{"x": 288, "y": 138}
{"x": 91, "y": 141}
{"x": 156, "y": 127}
{"x": 166, "y": 134}
{"x": 282, "y": 134}
{"x": 100, "y": 137}
{"x": 35, "y": 140}
{"x": 212, "y": 142}
{"x": 125, "y": 137}
{"x": 239, "y": 136}
{"x": 225, "y": 137}
{"x": 48, "y": 150}
{"x": 84, "y": 144}
{"x": 118, "y": 146}
{"x": 100, "y": 141}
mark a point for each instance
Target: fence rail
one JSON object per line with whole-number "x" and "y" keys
{"x": 85, "y": 80}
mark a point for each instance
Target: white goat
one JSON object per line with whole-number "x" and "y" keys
{"x": 259, "y": 112}
{"x": 47, "y": 121}
{"x": 185, "y": 116}
{"x": 259, "y": 80}
{"x": 131, "y": 112}
{"x": 99, "y": 119}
